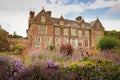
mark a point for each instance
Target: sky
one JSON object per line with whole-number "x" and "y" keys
{"x": 14, "y": 14}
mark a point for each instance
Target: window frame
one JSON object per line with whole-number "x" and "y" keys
{"x": 65, "y": 31}
{"x": 42, "y": 29}
{"x": 73, "y": 31}
{"x": 37, "y": 41}
{"x": 43, "y": 18}
{"x": 57, "y": 31}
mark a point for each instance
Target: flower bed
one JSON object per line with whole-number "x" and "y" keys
{"x": 13, "y": 69}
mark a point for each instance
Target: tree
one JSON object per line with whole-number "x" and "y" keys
{"x": 113, "y": 33}
{"x": 108, "y": 42}
{"x": 1, "y": 38}
{"x": 14, "y": 35}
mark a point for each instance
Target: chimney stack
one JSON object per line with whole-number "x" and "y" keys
{"x": 79, "y": 18}
{"x": 49, "y": 13}
{"x": 32, "y": 14}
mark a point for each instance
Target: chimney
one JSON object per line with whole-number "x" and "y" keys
{"x": 79, "y": 18}
{"x": 32, "y": 14}
{"x": 49, "y": 13}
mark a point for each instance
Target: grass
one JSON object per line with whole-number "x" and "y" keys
{"x": 6, "y": 54}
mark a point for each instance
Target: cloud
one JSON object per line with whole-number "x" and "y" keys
{"x": 16, "y": 12}
{"x": 102, "y": 4}
{"x": 111, "y": 24}
{"x": 114, "y": 9}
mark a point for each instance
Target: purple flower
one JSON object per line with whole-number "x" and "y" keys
{"x": 15, "y": 74}
{"x": 51, "y": 65}
{"x": 119, "y": 63}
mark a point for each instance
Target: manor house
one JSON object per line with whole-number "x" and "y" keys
{"x": 44, "y": 30}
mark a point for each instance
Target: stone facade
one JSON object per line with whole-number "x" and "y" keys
{"x": 45, "y": 30}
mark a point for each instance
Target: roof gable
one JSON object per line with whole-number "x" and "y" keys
{"x": 96, "y": 24}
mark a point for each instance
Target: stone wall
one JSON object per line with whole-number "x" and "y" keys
{"x": 23, "y": 41}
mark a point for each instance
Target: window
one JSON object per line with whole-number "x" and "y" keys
{"x": 83, "y": 25}
{"x": 61, "y": 22}
{"x": 86, "y": 33}
{"x": 57, "y": 31}
{"x": 98, "y": 25}
{"x": 57, "y": 41}
{"x": 42, "y": 29}
{"x": 37, "y": 41}
{"x": 79, "y": 33}
{"x": 73, "y": 32}
{"x": 66, "y": 40}
{"x": 73, "y": 42}
{"x": 80, "y": 43}
{"x": 86, "y": 43}
{"x": 42, "y": 19}
{"x": 65, "y": 31}
{"x": 47, "y": 41}
{"x": 97, "y": 33}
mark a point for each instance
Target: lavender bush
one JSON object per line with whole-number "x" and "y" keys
{"x": 10, "y": 66}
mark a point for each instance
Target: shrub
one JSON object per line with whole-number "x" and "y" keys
{"x": 36, "y": 72}
{"x": 66, "y": 49}
{"x": 4, "y": 44}
{"x": 108, "y": 42}
{"x": 19, "y": 48}
{"x": 51, "y": 65}
{"x": 1, "y": 38}
{"x": 9, "y": 67}
{"x": 52, "y": 47}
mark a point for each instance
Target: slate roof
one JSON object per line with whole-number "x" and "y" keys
{"x": 67, "y": 22}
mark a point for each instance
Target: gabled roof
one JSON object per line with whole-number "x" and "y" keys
{"x": 94, "y": 23}
{"x": 67, "y": 22}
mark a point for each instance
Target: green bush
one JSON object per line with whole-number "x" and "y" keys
{"x": 108, "y": 42}
{"x": 19, "y": 48}
{"x": 94, "y": 70}
{"x": 51, "y": 47}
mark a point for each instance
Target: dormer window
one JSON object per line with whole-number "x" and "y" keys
{"x": 42, "y": 19}
{"x": 61, "y": 22}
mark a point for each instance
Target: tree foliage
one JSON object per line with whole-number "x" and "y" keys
{"x": 14, "y": 35}
{"x": 1, "y": 38}
{"x": 108, "y": 42}
{"x": 113, "y": 33}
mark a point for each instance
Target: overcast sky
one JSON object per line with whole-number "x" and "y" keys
{"x": 14, "y": 13}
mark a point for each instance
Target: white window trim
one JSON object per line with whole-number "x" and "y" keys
{"x": 36, "y": 45}
{"x": 47, "y": 43}
{"x": 61, "y": 22}
{"x": 65, "y": 31}
{"x": 57, "y": 43}
{"x": 42, "y": 18}
{"x": 40, "y": 31}
{"x": 88, "y": 45}
{"x": 73, "y": 31}
{"x": 57, "y": 31}
{"x": 86, "y": 33}
{"x": 80, "y": 32}
{"x": 80, "y": 41}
